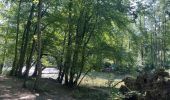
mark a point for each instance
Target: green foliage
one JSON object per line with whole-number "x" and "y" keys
{"x": 82, "y": 34}
{"x": 45, "y": 61}
{"x": 115, "y": 94}
{"x": 85, "y": 93}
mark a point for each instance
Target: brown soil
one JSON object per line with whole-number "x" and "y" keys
{"x": 11, "y": 89}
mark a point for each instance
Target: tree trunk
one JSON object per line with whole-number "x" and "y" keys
{"x": 28, "y": 64}
{"x": 16, "y": 42}
{"x": 5, "y": 50}
{"x": 32, "y": 50}
{"x": 67, "y": 63}
{"x": 25, "y": 40}
{"x": 39, "y": 45}
{"x": 61, "y": 61}
{"x": 35, "y": 73}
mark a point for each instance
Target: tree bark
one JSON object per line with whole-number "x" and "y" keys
{"x": 39, "y": 45}
{"x": 28, "y": 64}
{"x": 25, "y": 40}
{"x": 67, "y": 63}
{"x": 16, "y": 42}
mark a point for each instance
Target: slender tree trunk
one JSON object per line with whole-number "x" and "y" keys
{"x": 39, "y": 45}
{"x": 28, "y": 64}
{"x": 1, "y": 67}
{"x": 67, "y": 63}
{"x": 61, "y": 60}
{"x": 16, "y": 42}
{"x": 83, "y": 58}
{"x": 80, "y": 34}
{"x": 32, "y": 50}
{"x": 155, "y": 42}
{"x": 25, "y": 39}
{"x": 29, "y": 59}
{"x": 5, "y": 50}
{"x": 35, "y": 73}
{"x": 3, "y": 57}
{"x": 81, "y": 65}
{"x": 164, "y": 36}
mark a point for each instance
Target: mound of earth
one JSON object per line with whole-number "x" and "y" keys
{"x": 147, "y": 86}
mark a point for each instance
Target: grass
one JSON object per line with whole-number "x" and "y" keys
{"x": 98, "y": 86}
{"x": 83, "y": 92}
{"x": 95, "y": 86}
{"x": 91, "y": 93}
{"x": 101, "y": 79}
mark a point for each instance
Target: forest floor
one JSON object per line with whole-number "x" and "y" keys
{"x": 95, "y": 86}
{"x": 11, "y": 89}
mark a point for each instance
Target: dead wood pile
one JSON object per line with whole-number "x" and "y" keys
{"x": 147, "y": 86}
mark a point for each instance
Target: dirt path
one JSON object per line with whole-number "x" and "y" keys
{"x": 11, "y": 89}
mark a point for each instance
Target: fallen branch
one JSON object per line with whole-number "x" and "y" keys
{"x": 84, "y": 76}
{"x": 124, "y": 85}
{"x": 118, "y": 83}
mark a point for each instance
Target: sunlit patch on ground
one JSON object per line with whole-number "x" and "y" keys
{"x": 101, "y": 79}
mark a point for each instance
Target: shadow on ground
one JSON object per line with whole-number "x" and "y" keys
{"x": 11, "y": 89}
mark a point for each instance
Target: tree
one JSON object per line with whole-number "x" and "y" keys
{"x": 17, "y": 35}
{"x": 39, "y": 44}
